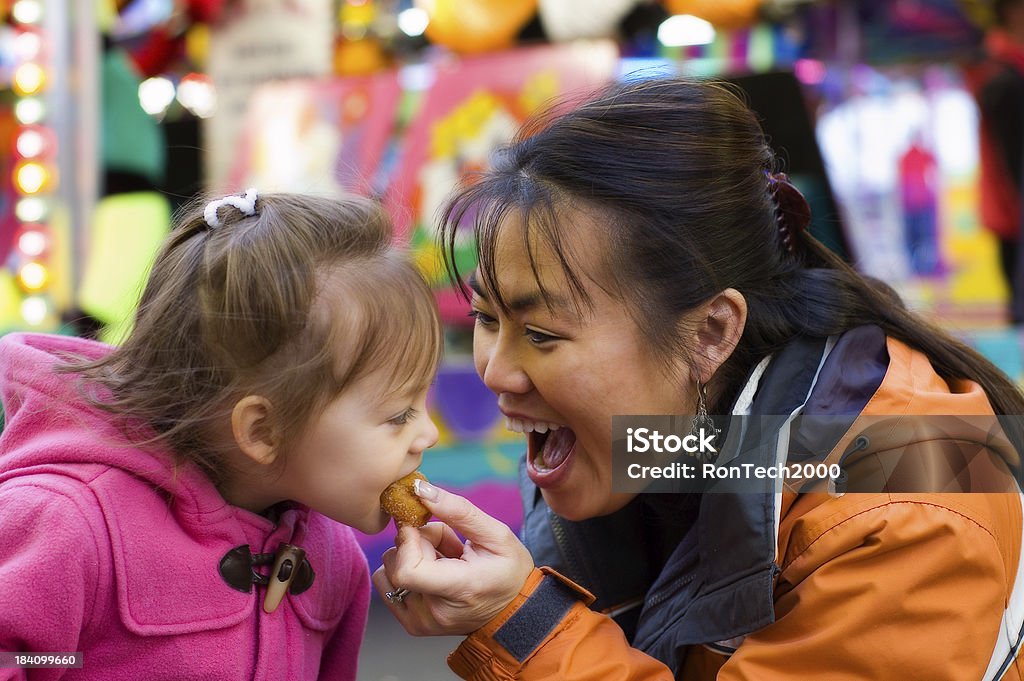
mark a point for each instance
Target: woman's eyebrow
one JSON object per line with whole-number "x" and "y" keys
{"x": 526, "y": 301}
{"x": 474, "y": 284}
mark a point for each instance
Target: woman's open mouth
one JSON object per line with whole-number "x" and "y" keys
{"x": 549, "y": 456}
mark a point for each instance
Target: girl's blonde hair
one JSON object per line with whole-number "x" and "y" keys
{"x": 293, "y": 303}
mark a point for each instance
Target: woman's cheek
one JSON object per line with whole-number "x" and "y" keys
{"x": 481, "y": 351}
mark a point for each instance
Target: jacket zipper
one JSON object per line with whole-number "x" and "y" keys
{"x": 562, "y": 540}
{"x": 669, "y": 589}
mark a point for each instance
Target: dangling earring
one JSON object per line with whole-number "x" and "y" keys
{"x": 702, "y": 421}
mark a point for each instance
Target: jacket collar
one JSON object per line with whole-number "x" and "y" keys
{"x": 728, "y": 557}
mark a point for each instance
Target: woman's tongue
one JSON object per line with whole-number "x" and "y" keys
{"x": 555, "y": 448}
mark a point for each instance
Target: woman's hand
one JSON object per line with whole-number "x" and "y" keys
{"x": 456, "y": 587}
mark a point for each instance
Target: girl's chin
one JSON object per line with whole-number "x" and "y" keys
{"x": 372, "y": 523}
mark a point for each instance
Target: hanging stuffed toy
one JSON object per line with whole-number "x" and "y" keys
{"x": 565, "y": 20}
{"x": 357, "y": 49}
{"x": 468, "y": 26}
{"x": 720, "y": 13}
{"x": 166, "y": 43}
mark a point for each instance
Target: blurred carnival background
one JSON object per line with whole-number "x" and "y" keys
{"x": 113, "y": 113}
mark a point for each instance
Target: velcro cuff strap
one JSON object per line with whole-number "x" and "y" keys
{"x": 526, "y": 629}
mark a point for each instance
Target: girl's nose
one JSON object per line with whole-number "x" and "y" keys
{"x": 428, "y": 437}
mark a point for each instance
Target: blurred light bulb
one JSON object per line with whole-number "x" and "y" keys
{"x": 30, "y": 143}
{"x": 27, "y": 11}
{"x": 685, "y": 29}
{"x": 32, "y": 243}
{"x": 413, "y": 21}
{"x": 33, "y": 276}
{"x": 29, "y": 110}
{"x": 810, "y": 71}
{"x": 30, "y": 177}
{"x": 155, "y": 95}
{"x": 196, "y": 93}
{"x": 29, "y": 78}
{"x": 27, "y": 45}
{"x": 417, "y": 77}
{"x": 34, "y": 310}
{"x": 30, "y": 209}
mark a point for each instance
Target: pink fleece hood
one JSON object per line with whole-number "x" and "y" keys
{"x": 46, "y": 415}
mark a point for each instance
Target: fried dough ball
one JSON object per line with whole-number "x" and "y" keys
{"x": 399, "y": 500}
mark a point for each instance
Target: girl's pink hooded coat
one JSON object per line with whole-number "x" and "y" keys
{"x": 108, "y": 550}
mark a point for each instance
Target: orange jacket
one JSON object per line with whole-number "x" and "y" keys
{"x": 867, "y": 586}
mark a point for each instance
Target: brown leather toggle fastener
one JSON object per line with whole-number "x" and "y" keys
{"x": 286, "y": 567}
{"x": 291, "y": 572}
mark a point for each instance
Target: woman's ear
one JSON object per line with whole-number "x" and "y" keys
{"x": 254, "y": 433}
{"x": 719, "y": 328}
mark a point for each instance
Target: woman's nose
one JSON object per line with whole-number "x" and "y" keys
{"x": 498, "y": 365}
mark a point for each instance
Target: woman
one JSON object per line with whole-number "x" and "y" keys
{"x": 639, "y": 255}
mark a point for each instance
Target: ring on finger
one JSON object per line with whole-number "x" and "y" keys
{"x": 397, "y": 596}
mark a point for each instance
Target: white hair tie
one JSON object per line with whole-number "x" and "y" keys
{"x": 246, "y": 204}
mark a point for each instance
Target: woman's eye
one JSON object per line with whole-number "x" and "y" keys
{"x": 482, "y": 318}
{"x": 403, "y": 418}
{"x": 538, "y": 337}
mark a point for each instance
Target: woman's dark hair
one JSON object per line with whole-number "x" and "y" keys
{"x": 677, "y": 173}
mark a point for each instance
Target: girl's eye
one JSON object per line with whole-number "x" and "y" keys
{"x": 482, "y": 318}
{"x": 538, "y": 337}
{"x": 403, "y": 418}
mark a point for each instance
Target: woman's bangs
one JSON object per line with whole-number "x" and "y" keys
{"x": 535, "y": 217}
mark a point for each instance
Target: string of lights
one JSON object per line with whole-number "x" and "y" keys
{"x": 35, "y": 171}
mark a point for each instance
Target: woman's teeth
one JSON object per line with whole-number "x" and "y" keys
{"x": 524, "y": 426}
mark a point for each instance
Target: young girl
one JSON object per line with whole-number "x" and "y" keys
{"x": 176, "y": 507}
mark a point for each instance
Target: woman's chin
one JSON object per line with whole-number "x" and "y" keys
{"x": 576, "y": 507}
{"x": 568, "y": 506}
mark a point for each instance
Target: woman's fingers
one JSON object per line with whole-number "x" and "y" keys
{"x": 413, "y": 550}
{"x": 380, "y": 580}
{"x": 491, "y": 547}
{"x": 412, "y": 612}
{"x": 483, "y": 530}
{"x": 444, "y": 539}
{"x": 456, "y": 586}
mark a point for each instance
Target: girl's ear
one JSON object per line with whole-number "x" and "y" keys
{"x": 718, "y": 331}
{"x": 254, "y": 433}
